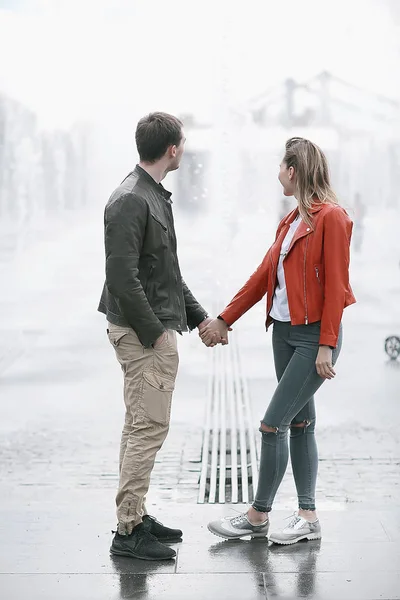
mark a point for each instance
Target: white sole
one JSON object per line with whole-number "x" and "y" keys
{"x": 310, "y": 536}
{"x": 239, "y": 537}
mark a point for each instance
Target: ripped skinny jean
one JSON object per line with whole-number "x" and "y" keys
{"x": 295, "y": 350}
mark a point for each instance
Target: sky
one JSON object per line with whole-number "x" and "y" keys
{"x": 74, "y": 60}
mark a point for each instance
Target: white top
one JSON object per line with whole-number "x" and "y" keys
{"x": 280, "y": 306}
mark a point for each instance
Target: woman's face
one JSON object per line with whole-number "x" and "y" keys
{"x": 287, "y": 179}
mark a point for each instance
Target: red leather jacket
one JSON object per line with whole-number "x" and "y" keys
{"x": 316, "y": 272}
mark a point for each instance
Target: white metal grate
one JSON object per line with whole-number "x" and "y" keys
{"x": 229, "y": 469}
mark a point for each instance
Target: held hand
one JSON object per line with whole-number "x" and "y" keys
{"x": 161, "y": 341}
{"x": 324, "y": 363}
{"x": 204, "y": 324}
{"x": 215, "y": 332}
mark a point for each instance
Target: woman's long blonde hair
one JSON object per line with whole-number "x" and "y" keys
{"x": 312, "y": 175}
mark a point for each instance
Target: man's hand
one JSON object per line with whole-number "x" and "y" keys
{"x": 215, "y": 332}
{"x": 204, "y": 324}
{"x": 324, "y": 363}
{"x": 161, "y": 341}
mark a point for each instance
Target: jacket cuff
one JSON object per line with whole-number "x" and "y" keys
{"x": 328, "y": 340}
{"x": 147, "y": 338}
{"x": 196, "y": 318}
{"x": 225, "y": 317}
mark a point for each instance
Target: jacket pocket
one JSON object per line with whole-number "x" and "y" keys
{"x": 157, "y": 397}
{"x": 158, "y": 220}
{"x": 319, "y": 276}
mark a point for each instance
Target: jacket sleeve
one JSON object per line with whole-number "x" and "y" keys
{"x": 125, "y": 225}
{"x": 337, "y": 237}
{"x": 251, "y": 293}
{"x": 195, "y": 313}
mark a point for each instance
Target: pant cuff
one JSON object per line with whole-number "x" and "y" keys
{"x": 127, "y": 528}
{"x": 307, "y": 507}
{"x": 260, "y": 508}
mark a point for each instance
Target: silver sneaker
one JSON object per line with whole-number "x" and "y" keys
{"x": 297, "y": 529}
{"x": 234, "y": 528}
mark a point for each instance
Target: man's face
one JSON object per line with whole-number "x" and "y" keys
{"x": 177, "y": 153}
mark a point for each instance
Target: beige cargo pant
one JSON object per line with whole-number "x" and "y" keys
{"x": 149, "y": 381}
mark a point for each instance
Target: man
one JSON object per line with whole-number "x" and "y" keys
{"x": 146, "y": 303}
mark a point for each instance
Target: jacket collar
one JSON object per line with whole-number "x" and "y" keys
{"x": 160, "y": 189}
{"x": 303, "y": 229}
{"x": 291, "y": 216}
{"x": 316, "y": 207}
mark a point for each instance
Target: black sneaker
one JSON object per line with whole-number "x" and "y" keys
{"x": 141, "y": 544}
{"x": 162, "y": 533}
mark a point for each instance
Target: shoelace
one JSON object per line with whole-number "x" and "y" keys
{"x": 295, "y": 519}
{"x": 242, "y": 516}
{"x": 239, "y": 520}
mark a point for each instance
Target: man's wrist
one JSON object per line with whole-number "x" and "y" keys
{"x": 205, "y": 318}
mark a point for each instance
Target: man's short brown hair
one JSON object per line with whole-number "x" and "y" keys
{"x": 155, "y": 133}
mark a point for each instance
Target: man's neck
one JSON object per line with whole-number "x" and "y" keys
{"x": 155, "y": 170}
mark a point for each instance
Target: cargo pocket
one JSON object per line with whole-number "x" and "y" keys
{"x": 157, "y": 397}
{"x": 115, "y": 336}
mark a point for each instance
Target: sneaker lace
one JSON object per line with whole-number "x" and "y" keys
{"x": 294, "y": 519}
{"x": 239, "y": 519}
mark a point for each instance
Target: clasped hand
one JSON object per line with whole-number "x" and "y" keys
{"x": 214, "y": 332}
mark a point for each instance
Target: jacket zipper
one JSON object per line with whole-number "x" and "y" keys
{"x": 175, "y": 263}
{"x": 271, "y": 300}
{"x": 305, "y": 288}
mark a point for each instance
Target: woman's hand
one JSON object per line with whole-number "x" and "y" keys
{"x": 216, "y": 332}
{"x": 324, "y": 363}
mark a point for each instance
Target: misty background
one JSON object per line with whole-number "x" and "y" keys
{"x": 75, "y": 77}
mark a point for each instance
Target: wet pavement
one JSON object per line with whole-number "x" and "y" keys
{"x": 61, "y": 406}
{"x": 62, "y": 552}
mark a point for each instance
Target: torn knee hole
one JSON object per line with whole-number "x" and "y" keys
{"x": 268, "y": 429}
{"x": 303, "y": 424}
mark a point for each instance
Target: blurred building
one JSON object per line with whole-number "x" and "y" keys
{"x": 43, "y": 175}
{"x": 41, "y": 172}
{"x": 358, "y": 130}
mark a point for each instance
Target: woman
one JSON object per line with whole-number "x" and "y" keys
{"x": 305, "y": 275}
